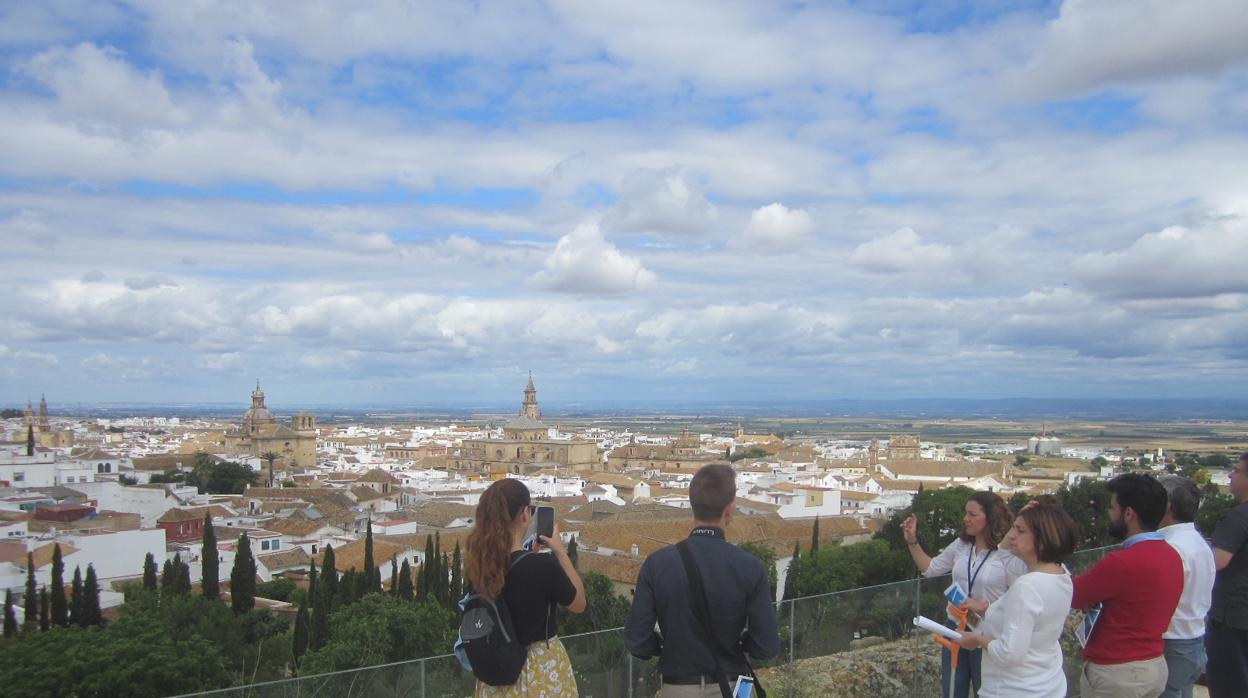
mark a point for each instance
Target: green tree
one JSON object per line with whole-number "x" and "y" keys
{"x": 372, "y": 578}
{"x": 328, "y": 583}
{"x": 243, "y": 578}
{"x": 939, "y": 513}
{"x": 604, "y": 608}
{"x": 75, "y": 598}
{"x": 60, "y": 609}
{"x": 210, "y": 580}
{"x": 1088, "y": 504}
{"x": 425, "y": 578}
{"x": 814, "y": 536}
{"x": 270, "y": 457}
{"x": 1018, "y": 500}
{"x": 1099, "y": 462}
{"x": 312, "y": 591}
{"x": 10, "y": 619}
{"x": 1214, "y": 506}
{"x": 766, "y": 556}
{"x": 299, "y": 638}
{"x": 29, "y": 601}
{"x": 181, "y": 576}
{"x": 752, "y": 452}
{"x": 168, "y": 577}
{"x": 149, "y": 572}
{"x": 1218, "y": 461}
{"x": 1020, "y": 461}
{"x": 223, "y": 477}
{"x": 405, "y": 582}
{"x": 457, "y": 573}
{"x": 380, "y": 629}
{"x": 279, "y": 589}
{"x": 348, "y": 587}
{"x": 573, "y": 554}
{"x": 394, "y": 576}
{"x": 45, "y": 612}
{"x": 92, "y": 615}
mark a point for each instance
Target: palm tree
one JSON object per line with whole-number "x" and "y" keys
{"x": 270, "y": 456}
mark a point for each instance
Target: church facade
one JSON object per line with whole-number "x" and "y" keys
{"x": 260, "y": 433}
{"x": 526, "y": 446}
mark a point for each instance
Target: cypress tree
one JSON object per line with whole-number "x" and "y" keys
{"x": 423, "y": 582}
{"x": 167, "y": 577}
{"x": 370, "y": 565}
{"x": 75, "y": 598}
{"x": 394, "y": 576}
{"x": 814, "y": 537}
{"x": 149, "y": 573}
{"x": 243, "y": 578}
{"x": 318, "y": 630}
{"x": 790, "y": 577}
{"x": 444, "y": 583}
{"x": 31, "y": 600}
{"x": 10, "y": 620}
{"x": 312, "y": 585}
{"x": 457, "y": 576}
{"x": 300, "y": 634}
{"x": 572, "y": 552}
{"x": 60, "y": 609}
{"x": 45, "y": 614}
{"x": 405, "y": 582}
{"x": 211, "y": 577}
{"x": 182, "y": 581}
{"x": 329, "y": 580}
{"x": 92, "y": 615}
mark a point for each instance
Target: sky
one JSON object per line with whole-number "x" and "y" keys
{"x": 643, "y": 203}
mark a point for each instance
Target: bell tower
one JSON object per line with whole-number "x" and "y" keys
{"x": 529, "y": 407}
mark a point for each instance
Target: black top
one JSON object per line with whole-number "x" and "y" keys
{"x": 532, "y": 589}
{"x": 1230, "y": 586}
{"x": 737, "y": 593}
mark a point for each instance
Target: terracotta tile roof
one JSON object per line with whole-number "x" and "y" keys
{"x": 295, "y": 557}
{"x": 617, "y": 568}
{"x": 295, "y": 526}
{"x": 352, "y": 554}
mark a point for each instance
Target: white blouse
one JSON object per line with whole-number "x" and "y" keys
{"x": 1025, "y": 657}
{"x": 993, "y": 570}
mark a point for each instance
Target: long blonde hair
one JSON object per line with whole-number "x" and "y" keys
{"x": 489, "y": 544}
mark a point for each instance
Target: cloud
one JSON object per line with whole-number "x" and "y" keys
{"x": 365, "y": 243}
{"x": 898, "y": 252}
{"x": 660, "y": 201}
{"x": 30, "y": 359}
{"x": 96, "y": 84}
{"x": 93, "y": 276}
{"x": 1094, "y": 43}
{"x": 776, "y": 228}
{"x": 1177, "y": 262}
{"x": 583, "y": 262}
{"x": 143, "y": 283}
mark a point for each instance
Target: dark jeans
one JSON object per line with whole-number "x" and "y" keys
{"x": 968, "y": 672}
{"x": 1227, "y": 670}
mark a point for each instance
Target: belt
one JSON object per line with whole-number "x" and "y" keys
{"x": 692, "y": 680}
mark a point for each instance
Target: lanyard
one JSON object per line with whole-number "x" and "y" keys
{"x": 970, "y": 584}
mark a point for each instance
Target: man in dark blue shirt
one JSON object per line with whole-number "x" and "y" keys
{"x": 737, "y": 594}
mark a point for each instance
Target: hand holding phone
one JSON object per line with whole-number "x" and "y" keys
{"x": 744, "y": 687}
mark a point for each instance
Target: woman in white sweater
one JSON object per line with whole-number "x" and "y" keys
{"x": 1020, "y": 631}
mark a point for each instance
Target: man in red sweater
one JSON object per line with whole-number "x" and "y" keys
{"x": 1138, "y": 587}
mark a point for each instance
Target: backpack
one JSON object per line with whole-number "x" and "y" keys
{"x": 487, "y": 644}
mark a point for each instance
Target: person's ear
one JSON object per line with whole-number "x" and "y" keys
{"x": 728, "y": 510}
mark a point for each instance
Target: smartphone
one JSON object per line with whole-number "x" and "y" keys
{"x": 744, "y": 687}
{"x": 545, "y": 522}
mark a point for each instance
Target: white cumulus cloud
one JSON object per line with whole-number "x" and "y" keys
{"x": 898, "y": 252}
{"x": 660, "y": 201}
{"x": 585, "y": 262}
{"x": 777, "y": 228}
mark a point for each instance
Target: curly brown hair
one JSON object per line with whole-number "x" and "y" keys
{"x": 489, "y": 544}
{"x": 999, "y": 519}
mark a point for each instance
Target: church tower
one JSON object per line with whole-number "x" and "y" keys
{"x": 529, "y": 407}
{"x": 258, "y": 414}
{"x": 44, "y": 425}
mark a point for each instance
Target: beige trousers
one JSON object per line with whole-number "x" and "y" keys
{"x": 1142, "y": 679}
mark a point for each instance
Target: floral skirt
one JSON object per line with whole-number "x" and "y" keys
{"x": 547, "y": 673}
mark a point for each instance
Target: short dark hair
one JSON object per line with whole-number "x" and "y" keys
{"x": 1054, "y": 532}
{"x": 1143, "y": 494}
{"x": 713, "y": 488}
{"x": 1184, "y": 497}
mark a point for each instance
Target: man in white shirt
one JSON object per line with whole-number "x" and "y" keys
{"x": 1185, "y": 643}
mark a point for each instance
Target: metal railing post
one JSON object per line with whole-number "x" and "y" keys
{"x": 630, "y": 675}
{"x": 422, "y": 678}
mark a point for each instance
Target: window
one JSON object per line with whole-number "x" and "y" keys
{"x": 19, "y": 477}
{"x": 276, "y": 544}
